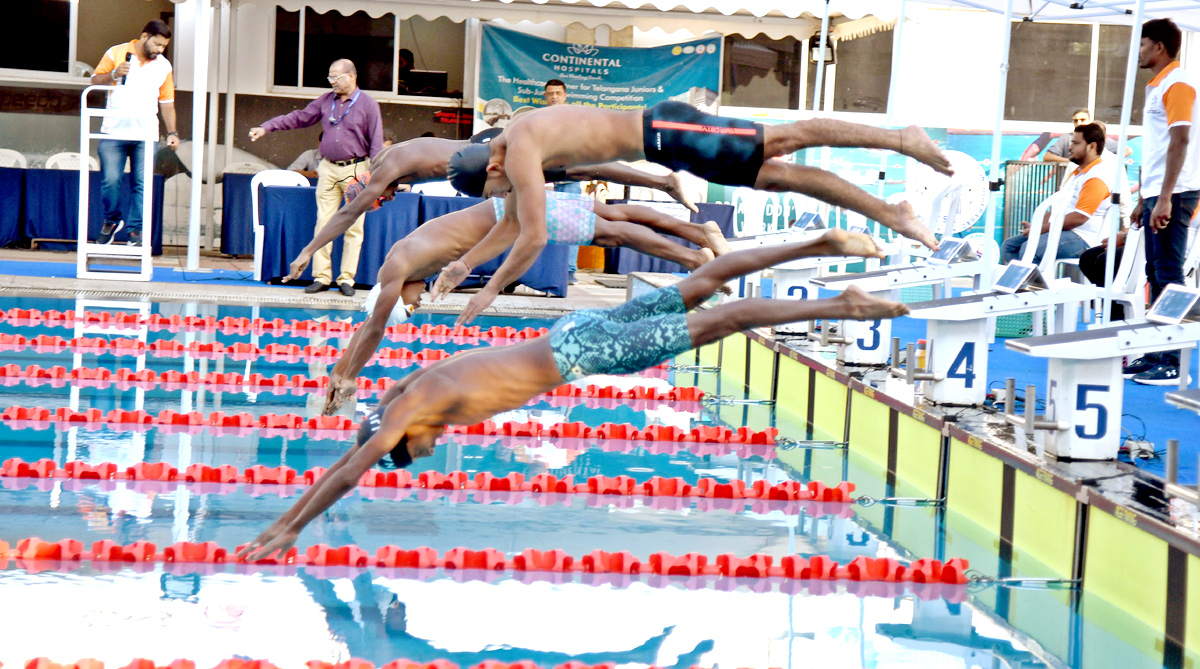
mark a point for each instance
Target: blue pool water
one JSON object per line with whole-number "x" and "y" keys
{"x": 292, "y": 615}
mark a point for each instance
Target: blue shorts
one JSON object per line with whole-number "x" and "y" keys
{"x": 722, "y": 150}
{"x": 625, "y": 339}
{"x": 570, "y": 217}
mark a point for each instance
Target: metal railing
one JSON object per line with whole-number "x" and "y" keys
{"x": 1026, "y": 184}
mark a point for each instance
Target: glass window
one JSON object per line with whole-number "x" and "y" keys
{"x": 367, "y": 41}
{"x": 287, "y": 47}
{"x": 437, "y": 57}
{"x": 864, "y": 72}
{"x": 1049, "y": 65}
{"x": 47, "y": 45}
{"x": 762, "y": 72}
{"x": 1110, "y": 78}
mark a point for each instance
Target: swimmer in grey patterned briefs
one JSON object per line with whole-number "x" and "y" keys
{"x": 478, "y": 384}
{"x": 482, "y": 232}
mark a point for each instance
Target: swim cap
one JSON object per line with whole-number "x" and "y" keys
{"x": 355, "y": 186}
{"x": 467, "y": 169}
{"x": 400, "y": 312}
{"x": 485, "y": 136}
{"x": 401, "y": 458}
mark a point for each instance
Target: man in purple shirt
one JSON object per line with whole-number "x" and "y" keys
{"x": 353, "y": 134}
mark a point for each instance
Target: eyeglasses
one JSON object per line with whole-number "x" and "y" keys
{"x": 333, "y": 80}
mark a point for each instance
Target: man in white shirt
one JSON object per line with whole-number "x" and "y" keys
{"x": 1085, "y": 193}
{"x": 146, "y": 87}
{"x": 1170, "y": 178}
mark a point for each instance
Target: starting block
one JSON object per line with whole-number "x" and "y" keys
{"x": 864, "y": 340}
{"x": 958, "y": 329}
{"x": 807, "y": 227}
{"x": 1086, "y": 388}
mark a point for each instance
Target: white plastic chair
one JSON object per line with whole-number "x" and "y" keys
{"x": 12, "y": 158}
{"x": 268, "y": 178}
{"x": 70, "y": 160}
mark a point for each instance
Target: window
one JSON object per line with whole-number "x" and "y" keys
{"x": 429, "y": 53}
{"x": 864, "y": 73}
{"x": 1110, "y": 78}
{"x": 762, "y": 72}
{"x": 1049, "y": 66}
{"x": 46, "y": 47}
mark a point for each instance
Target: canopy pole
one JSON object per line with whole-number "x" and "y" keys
{"x": 989, "y": 229}
{"x": 1114, "y": 214}
{"x": 214, "y": 108}
{"x": 897, "y": 43}
{"x": 817, "y": 92}
{"x": 230, "y": 73}
{"x": 199, "y": 88}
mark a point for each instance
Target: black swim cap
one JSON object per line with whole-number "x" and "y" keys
{"x": 467, "y": 169}
{"x": 401, "y": 458}
{"x": 485, "y": 136}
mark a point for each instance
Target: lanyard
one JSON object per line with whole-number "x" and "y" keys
{"x": 332, "y": 120}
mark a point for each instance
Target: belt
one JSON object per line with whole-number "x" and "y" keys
{"x": 344, "y": 163}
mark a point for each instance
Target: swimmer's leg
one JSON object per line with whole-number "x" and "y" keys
{"x": 709, "y": 325}
{"x": 787, "y": 138}
{"x": 704, "y": 281}
{"x": 708, "y": 235}
{"x": 778, "y": 176}
{"x": 629, "y": 235}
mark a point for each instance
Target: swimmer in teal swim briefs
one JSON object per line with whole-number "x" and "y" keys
{"x": 486, "y": 231}
{"x": 723, "y": 150}
{"x": 472, "y": 386}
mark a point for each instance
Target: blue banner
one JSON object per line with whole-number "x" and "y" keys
{"x": 514, "y": 68}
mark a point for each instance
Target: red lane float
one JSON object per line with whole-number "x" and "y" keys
{"x": 793, "y": 567}
{"x": 147, "y": 379}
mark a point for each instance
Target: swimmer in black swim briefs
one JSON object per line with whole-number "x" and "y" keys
{"x": 470, "y": 387}
{"x": 724, "y": 150}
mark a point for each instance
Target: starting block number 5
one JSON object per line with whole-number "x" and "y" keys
{"x": 1091, "y": 392}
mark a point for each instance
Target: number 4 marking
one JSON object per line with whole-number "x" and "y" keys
{"x": 963, "y": 366}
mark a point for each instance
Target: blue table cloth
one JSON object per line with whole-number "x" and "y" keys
{"x": 624, "y": 261}
{"x": 52, "y": 208}
{"x": 289, "y": 216}
{"x": 12, "y": 180}
{"x": 237, "y": 218}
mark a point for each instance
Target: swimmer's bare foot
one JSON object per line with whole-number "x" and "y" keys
{"x": 339, "y": 391}
{"x": 861, "y": 305}
{"x": 714, "y": 239}
{"x": 672, "y": 185}
{"x": 908, "y": 225}
{"x": 843, "y": 243}
{"x": 915, "y": 143}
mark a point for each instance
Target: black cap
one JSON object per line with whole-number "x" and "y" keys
{"x": 467, "y": 169}
{"x": 485, "y": 136}
{"x": 401, "y": 458}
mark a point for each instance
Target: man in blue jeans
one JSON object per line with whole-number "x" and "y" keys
{"x": 145, "y": 86}
{"x": 1170, "y": 179}
{"x": 1086, "y": 194}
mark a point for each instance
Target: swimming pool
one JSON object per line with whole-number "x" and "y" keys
{"x": 290, "y": 614}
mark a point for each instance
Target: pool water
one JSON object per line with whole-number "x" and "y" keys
{"x": 291, "y": 615}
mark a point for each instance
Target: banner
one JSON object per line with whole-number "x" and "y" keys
{"x": 514, "y": 68}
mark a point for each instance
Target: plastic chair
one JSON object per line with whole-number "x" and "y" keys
{"x": 12, "y": 158}
{"x": 268, "y": 178}
{"x": 70, "y": 160}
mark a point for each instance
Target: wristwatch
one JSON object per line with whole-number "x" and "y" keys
{"x": 172, "y": 133}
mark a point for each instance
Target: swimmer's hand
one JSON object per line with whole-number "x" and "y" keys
{"x": 452, "y": 275}
{"x": 480, "y": 301}
{"x": 297, "y": 267}
{"x": 673, "y": 186}
{"x": 277, "y": 538}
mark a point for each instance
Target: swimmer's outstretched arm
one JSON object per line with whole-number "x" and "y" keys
{"x": 528, "y": 199}
{"x": 500, "y": 237}
{"x": 338, "y": 480}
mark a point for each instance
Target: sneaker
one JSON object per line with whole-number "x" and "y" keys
{"x": 347, "y": 289}
{"x": 108, "y": 231}
{"x": 316, "y": 287}
{"x": 1159, "y": 375}
{"x": 135, "y": 238}
{"x": 1142, "y": 364}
